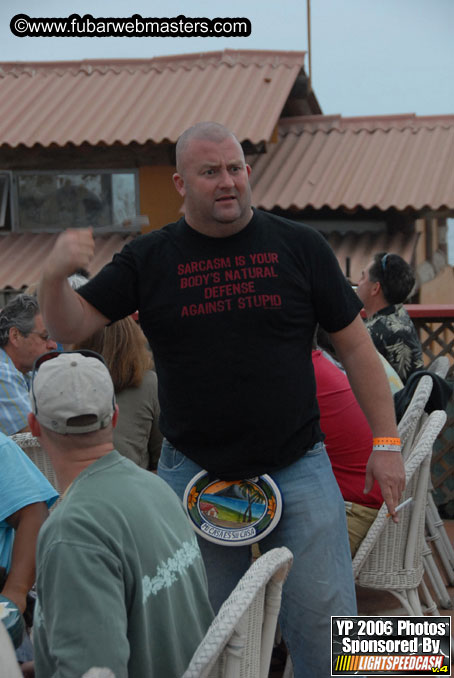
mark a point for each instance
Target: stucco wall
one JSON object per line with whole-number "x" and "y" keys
{"x": 159, "y": 199}
{"x": 440, "y": 290}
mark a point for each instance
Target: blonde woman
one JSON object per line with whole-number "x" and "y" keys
{"x": 124, "y": 348}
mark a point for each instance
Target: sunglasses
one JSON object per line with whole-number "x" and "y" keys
{"x": 45, "y": 336}
{"x": 384, "y": 259}
{"x": 50, "y": 355}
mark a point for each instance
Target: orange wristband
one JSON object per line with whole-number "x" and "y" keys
{"x": 385, "y": 441}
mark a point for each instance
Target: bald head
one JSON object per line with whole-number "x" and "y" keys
{"x": 213, "y": 179}
{"x": 202, "y": 131}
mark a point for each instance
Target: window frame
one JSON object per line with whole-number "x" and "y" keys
{"x": 14, "y": 196}
{"x": 6, "y": 197}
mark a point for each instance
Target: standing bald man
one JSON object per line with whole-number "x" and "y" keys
{"x": 229, "y": 298}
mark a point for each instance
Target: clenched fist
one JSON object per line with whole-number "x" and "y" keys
{"x": 73, "y": 249}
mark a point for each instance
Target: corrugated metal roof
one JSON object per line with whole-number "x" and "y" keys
{"x": 22, "y": 255}
{"x": 385, "y": 162}
{"x": 141, "y": 100}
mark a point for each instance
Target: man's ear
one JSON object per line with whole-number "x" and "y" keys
{"x": 376, "y": 289}
{"x": 33, "y": 423}
{"x": 14, "y": 335}
{"x": 179, "y": 184}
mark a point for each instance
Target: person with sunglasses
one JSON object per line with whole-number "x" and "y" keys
{"x": 228, "y": 298}
{"x": 120, "y": 578}
{"x": 384, "y": 286}
{"x": 23, "y": 337}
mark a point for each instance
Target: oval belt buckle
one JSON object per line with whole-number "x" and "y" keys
{"x": 233, "y": 512}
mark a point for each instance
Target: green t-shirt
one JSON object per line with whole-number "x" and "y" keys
{"x": 120, "y": 578}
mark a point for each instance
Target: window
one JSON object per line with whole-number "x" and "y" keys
{"x": 450, "y": 240}
{"x": 4, "y": 194}
{"x": 57, "y": 200}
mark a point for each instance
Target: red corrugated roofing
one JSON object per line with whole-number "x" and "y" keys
{"x": 22, "y": 256}
{"x": 141, "y": 100}
{"x": 384, "y": 162}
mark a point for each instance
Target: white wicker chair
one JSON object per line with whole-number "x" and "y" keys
{"x": 409, "y": 428}
{"x": 414, "y": 415}
{"x": 240, "y": 640}
{"x": 9, "y": 668}
{"x": 390, "y": 556}
{"x": 32, "y": 448}
{"x": 440, "y": 366}
{"x": 436, "y": 532}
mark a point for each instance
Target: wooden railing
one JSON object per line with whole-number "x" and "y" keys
{"x": 435, "y": 325}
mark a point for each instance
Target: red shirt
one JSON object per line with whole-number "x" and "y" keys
{"x": 348, "y": 436}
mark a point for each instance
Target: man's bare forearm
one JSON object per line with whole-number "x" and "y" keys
{"x": 371, "y": 388}
{"x": 374, "y": 395}
{"x": 367, "y": 379}
{"x": 68, "y": 317}
{"x": 62, "y": 310}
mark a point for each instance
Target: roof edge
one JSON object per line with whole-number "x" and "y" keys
{"x": 229, "y": 57}
{"x": 313, "y": 123}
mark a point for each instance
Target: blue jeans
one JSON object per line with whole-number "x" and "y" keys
{"x": 313, "y": 527}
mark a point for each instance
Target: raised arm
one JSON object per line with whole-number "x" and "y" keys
{"x": 67, "y": 316}
{"x": 371, "y": 388}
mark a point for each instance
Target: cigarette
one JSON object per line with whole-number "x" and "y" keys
{"x": 401, "y": 506}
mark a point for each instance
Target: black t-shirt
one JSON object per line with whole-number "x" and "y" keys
{"x": 231, "y": 321}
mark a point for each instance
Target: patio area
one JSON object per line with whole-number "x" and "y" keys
{"x": 374, "y": 603}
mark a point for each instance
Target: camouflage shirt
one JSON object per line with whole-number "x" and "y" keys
{"x": 394, "y": 336}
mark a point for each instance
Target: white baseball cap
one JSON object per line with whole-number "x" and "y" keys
{"x": 72, "y": 384}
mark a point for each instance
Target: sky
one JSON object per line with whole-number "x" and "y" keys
{"x": 369, "y": 57}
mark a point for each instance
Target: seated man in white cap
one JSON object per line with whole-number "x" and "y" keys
{"x": 120, "y": 579}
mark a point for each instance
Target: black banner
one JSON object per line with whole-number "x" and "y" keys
{"x": 400, "y": 646}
